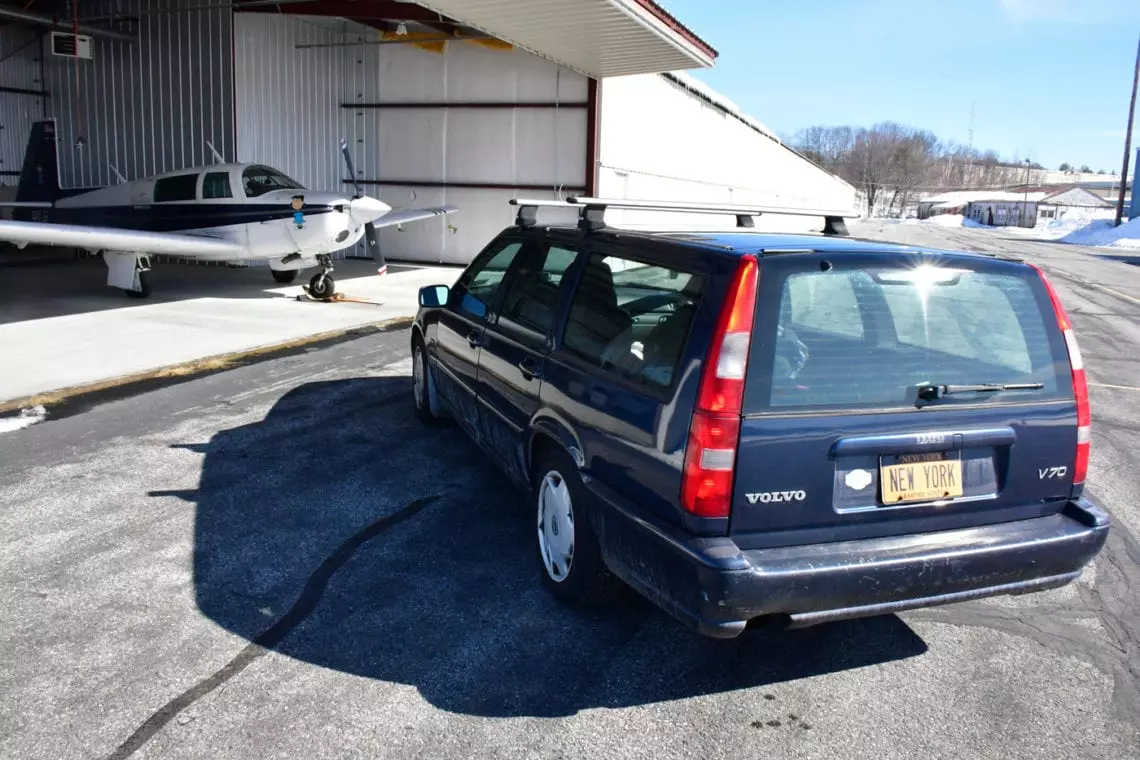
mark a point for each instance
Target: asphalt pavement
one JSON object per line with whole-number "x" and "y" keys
{"x": 279, "y": 560}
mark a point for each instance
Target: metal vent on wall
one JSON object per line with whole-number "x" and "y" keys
{"x": 71, "y": 45}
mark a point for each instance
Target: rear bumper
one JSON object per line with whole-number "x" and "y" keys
{"x": 717, "y": 588}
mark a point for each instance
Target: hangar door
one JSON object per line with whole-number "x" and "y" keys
{"x": 468, "y": 123}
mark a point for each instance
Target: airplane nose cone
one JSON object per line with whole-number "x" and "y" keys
{"x": 365, "y": 209}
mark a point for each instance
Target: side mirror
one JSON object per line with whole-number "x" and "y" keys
{"x": 434, "y": 295}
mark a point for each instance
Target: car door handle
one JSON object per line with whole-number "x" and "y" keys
{"x": 530, "y": 369}
{"x": 474, "y": 340}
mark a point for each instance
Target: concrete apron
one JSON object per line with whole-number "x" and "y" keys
{"x": 52, "y": 358}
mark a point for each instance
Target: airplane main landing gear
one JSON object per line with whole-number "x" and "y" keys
{"x": 143, "y": 285}
{"x": 284, "y": 276}
{"x": 128, "y": 271}
{"x": 322, "y": 285}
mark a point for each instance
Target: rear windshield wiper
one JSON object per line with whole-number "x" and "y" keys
{"x": 931, "y": 392}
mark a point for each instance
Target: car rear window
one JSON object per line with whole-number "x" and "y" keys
{"x": 869, "y": 337}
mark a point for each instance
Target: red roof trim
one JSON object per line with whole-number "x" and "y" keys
{"x": 671, "y": 21}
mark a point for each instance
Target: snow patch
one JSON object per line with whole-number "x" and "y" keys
{"x": 946, "y": 220}
{"x": 1100, "y": 232}
{"x": 26, "y": 418}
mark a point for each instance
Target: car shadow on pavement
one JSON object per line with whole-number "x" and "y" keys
{"x": 304, "y": 530}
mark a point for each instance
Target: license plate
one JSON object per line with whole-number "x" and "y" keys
{"x": 920, "y": 477}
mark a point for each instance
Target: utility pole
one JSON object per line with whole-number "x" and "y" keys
{"x": 1025, "y": 197}
{"x": 1128, "y": 141}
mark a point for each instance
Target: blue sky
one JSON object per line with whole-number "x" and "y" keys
{"x": 1049, "y": 79}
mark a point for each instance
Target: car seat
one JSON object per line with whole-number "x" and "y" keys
{"x": 595, "y": 318}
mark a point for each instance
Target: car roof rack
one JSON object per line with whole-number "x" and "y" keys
{"x": 592, "y": 210}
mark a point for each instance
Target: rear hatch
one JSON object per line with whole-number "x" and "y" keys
{"x": 870, "y": 406}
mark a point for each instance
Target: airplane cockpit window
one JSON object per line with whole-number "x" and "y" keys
{"x": 259, "y": 180}
{"x": 181, "y": 187}
{"x": 216, "y": 185}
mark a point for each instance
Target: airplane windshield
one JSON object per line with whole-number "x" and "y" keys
{"x": 259, "y": 180}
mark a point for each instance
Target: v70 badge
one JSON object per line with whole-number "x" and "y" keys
{"x": 1048, "y": 473}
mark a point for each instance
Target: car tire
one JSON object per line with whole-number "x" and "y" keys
{"x": 569, "y": 556}
{"x": 421, "y": 384}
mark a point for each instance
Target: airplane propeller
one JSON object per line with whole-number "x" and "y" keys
{"x": 371, "y": 240}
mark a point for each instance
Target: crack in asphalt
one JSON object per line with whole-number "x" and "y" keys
{"x": 304, "y": 606}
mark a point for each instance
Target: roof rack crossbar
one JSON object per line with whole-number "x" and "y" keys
{"x": 711, "y": 208}
{"x": 592, "y": 210}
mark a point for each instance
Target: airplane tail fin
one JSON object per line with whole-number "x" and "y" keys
{"x": 39, "y": 178}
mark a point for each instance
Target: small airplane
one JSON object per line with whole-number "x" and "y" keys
{"x": 223, "y": 212}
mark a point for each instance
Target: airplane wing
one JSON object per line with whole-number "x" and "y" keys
{"x": 117, "y": 239}
{"x": 412, "y": 215}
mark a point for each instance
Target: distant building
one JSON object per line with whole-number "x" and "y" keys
{"x": 1107, "y": 188}
{"x": 951, "y": 203}
{"x": 1016, "y": 207}
{"x": 1007, "y": 209}
{"x": 1072, "y": 201}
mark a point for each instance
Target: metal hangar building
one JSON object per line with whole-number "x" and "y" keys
{"x": 466, "y": 102}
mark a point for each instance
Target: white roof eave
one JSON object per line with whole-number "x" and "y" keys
{"x": 598, "y": 38}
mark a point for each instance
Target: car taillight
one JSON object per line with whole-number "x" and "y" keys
{"x": 1080, "y": 384}
{"x": 710, "y": 455}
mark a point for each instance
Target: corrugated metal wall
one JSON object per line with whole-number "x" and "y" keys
{"x": 149, "y": 106}
{"x": 289, "y": 115}
{"x": 288, "y": 100}
{"x": 20, "y": 53}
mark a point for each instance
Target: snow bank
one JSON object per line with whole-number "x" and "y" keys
{"x": 1055, "y": 229}
{"x": 1048, "y": 229}
{"x": 1101, "y": 233}
{"x": 26, "y": 418}
{"x": 1077, "y": 230}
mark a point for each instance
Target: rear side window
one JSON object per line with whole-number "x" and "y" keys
{"x": 183, "y": 187}
{"x": 868, "y": 338}
{"x": 216, "y": 185}
{"x": 632, "y": 318}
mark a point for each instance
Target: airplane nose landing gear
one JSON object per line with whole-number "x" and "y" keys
{"x": 322, "y": 285}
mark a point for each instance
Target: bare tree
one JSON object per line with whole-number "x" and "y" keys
{"x": 892, "y": 164}
{"x": 826, "y": 146}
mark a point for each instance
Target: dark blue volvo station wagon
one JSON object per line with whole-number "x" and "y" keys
{"x": 746, "y": 425}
